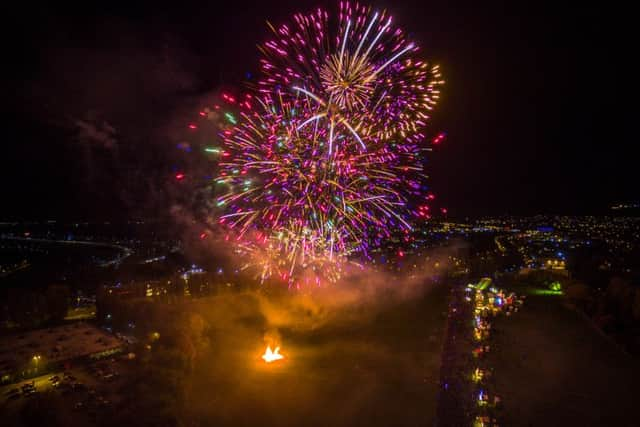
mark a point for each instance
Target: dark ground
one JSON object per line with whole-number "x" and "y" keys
{"x": 455, "y": 405}
{"x": 360, "y": 365}
{"x": 379, "y": 373}
{"x": 552, "y": 368}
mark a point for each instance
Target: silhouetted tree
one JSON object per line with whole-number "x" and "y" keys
{"x": 57, "y": 297}
{"x": 578, "y": 293}
{"x": 636, "y": 306}
{"x": 620, "y": 296}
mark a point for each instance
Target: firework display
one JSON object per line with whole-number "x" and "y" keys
{"x": 325, "y": 158}
{"x": 366, "y": 78}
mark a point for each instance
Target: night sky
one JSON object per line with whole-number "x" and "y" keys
{"x": 538, "y": 105}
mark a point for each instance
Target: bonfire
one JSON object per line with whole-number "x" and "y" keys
{"x": 271, "y": 356}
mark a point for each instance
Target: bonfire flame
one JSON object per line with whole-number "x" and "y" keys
{"x": 271, "y": 356}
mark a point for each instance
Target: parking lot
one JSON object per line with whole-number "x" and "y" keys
{"x": 88, "y": 389}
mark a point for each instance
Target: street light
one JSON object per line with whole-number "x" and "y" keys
{"x": 36, "y": 359}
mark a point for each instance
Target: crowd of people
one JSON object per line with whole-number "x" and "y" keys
{"x": 467, "y": 395}
{"x": 487, "y": 302}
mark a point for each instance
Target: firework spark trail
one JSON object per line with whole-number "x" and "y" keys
{"x": 367, "y": 77}
{"x": 321, "y": 161}
{"x": 310, "y": 206}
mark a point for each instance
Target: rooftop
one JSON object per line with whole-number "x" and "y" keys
{"x": 51, "y": 345}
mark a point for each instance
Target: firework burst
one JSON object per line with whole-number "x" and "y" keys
{"x": 322, "y": 161}
{"x": 302, "y": 204}
{"x": 365, "y": 78}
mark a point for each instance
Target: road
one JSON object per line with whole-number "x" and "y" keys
{"x": 125, "y": 251}
{"x": 42, "y": 384}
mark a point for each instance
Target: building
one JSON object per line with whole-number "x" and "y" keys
{"x": 36, "y": 352}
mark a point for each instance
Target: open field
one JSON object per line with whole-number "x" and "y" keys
{"x": 552, "y": 368}
{"x": 347, "y": 372}
{"x": 365, "y": 360}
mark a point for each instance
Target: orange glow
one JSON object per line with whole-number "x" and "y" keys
{"x": 271, "y": 356}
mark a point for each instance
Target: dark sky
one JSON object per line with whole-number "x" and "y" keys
{"x": 538, "y": 105}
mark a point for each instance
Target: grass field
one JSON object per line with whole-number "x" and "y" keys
{"x": 371, "y": 361}
{"x": 552, "y": 368}
{"x": 382, "y": 372}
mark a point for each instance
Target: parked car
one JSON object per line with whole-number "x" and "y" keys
{"x": 12, "y": 391}
{"x": 78, "y": 386}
